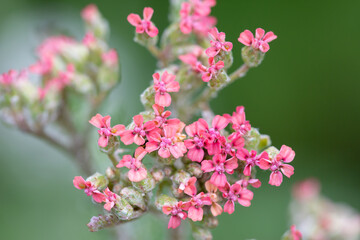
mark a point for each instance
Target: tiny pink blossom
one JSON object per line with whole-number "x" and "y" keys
{"x": 166, "y": 143}
{"x": 139, "y": 133}
{"x": 215, "y": 209}
{"x": 197, "y": 202}
{"x": 192, "y": 58}
{"x": 89, "y": 39}
{"x": 295, "y": 234}
{"x": 161, "y": 117}
{"x": 239, "y": 123}
{"x": 235, "y": 193}
{"x": 213, "y": 141}
{"x": 177, "y": 213}
{"x": 196, "y": 143}
{"x": 90, "y": 13}
{"x": 144, "y": 25}
{"x": 8, "y": 78}
{"x": 105, "y": 130}
{"x": 261, "y": 40}
{"x": 89, "y": 189}
{"x": 189, "y": 187}
{"x": 277, "y": 165}
{"x": 137, "y": 171}
{"x": 217, "y": 43}
{"x": 244, "y": 183}
{"x": 250, "y": 158}
{"x": 219, "y": 165}
{"x": 163, "y": 85}
{"x": 209, "y": 73}
{"x": 110, "y": 200}
{"x": 229, "y": 147}
{"x": 110, "y": 58}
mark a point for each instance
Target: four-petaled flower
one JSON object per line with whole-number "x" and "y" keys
{"x": 177, "y": 213}
{"x": 235, "y": 193}
{"x": 105, "y": 131}
{"x": 197, "y": 202}
{"x": 261, "y": 40}
{"x": 209, "y": 73}
{"x": 161, "y": 117}
{"x": 89, "y": 189}
{"x": 163, "y": 85}
{"x": 250, "y": 158}
{"x": 110, "y": 200}
{"x": 217, "y": 43}
{"x": 196, "y": 143}
{"x": 137, "y": 171}
{"x": 144, "y": 25}
{"x": 276, "y": 165}
{"x": 215, "y": 209}
{"x": 139, "y": 133}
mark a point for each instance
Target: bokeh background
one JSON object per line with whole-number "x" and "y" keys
{"x": 305, "y": 95}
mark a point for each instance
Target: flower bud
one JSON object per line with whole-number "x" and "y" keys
{"x": 252, "y": 139}
{"x": 145, "y": 185}
{"x": 145, "y": 39}
{"x": 99, "y": 181}
{"x": 252, "y": 57}
{"x": 221, "y": 80}
{"x": 168, "y": 171}
{"x": 148, "y": 97}
{"x": 82, "y": 84}
{"x": 272, "y": 151}
{"x": 200, "y": 233}
{"x": 265, "y": 141}
{"x": 122, "y": 209}
{"x": 211, "y": 222}
{"x": 74, "y": 53}
{"x": 102, "y": 221}
{"x": 163, "y": 200}
{"x": 95, "y": 23}
{"x": 158, "y": 175}
{"x": 107, "y": 78}
{"x": 180, "y": 177}
{"x": 226, "y": 57}
{"x": 195, "y": 169}
{"x": 133, "y": 197}
{"x": 110, "y": 174}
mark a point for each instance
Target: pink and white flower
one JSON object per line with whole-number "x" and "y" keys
{"x": 250, "y": 158}
{"x": 144, "y": 25}
{"x": 110, "y": 200}
{"x": 163, "y": 85}
{"x": 235, "y": 193}
{"x": 209, "y": 73}
{"x": 217, "y": 43}
{"x": 177, "y": 213}
{"x": 261, "y": 40}
{"x": 140, "y": 132}
{"x": 89, "y": 189}
{"x": 137, "y": 171}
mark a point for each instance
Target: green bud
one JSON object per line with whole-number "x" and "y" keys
{"x": 252, "y": 139}
{"x": 122, "y": 209}
{"x": 148, "y": 97}
{"x": 194, "y": 169}
{"x": 145, "y": 185}
{"x": 251, "y": 56}
{"x": 158, "y": 175}
{"x": 226, "y": 57}
{"x": 163, "y": 200}
{"x": 145, "y": 40}
{"x": 180, "y": 177}
{"x": 211, "y": 222}
{"x": 272, "y": 151}
{"x": 265, "y": 141}
{"x": 100, "y": 181}
{"x": 221, "y": 80}
{"x": 133, "y": 197}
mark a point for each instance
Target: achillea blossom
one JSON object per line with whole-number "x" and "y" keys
{"x": 250, "y": 158}
{"x": 105, "y": 130}
{"x": 161, "y": 117}
{"x": 295, "y": 234}
{"x": 235, "y": 193}
{"x": 144, "y": 25}
{"x": 192, "y": 58}
{"x": 137, "y": 171}
{"x": 110, "y": 58}
{"x": 89, "y": 189}
{"x": 194, "y": 17}
{"x": 239, "y": 122}
{"x": 261, "y": 40}
{"x": 196, "y": 143}
{"x": 209, "y": 73}
{"x": 217, "y": 43}
{"x": 90, "y": 13}
{"x": 197, "y": 202}
{"x": 166, "y": 142}
{"x": 177, "y": 213}
{"x": 230, "y": 147}
{"x": 8, "y": 78}
{"x": 89, "y": 39}
{"x": 189, "y": 187}
{"x": 213, "y": 141}
{"x": 110, "y": 199}
{"x": 244, "y": 183}
{"x": 277, "y": 165}
{"x": 219, "y": 165}
{"x": 163, "y": 85}
{"x": 215, "y": 209}
{"x": 139, "y": 133}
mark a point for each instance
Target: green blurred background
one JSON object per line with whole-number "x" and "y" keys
{"x": 305, "y": 95}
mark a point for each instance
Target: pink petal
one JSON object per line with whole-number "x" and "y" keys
{"x": 246, "y": 38}
{"x": 134, "y": 19}
{"x": 127, "y": 137}
{"x": 97, "y": 121}
{"x": 196, "y": 154}
{"x": 229, "y": 207}
{"x": 228, "y": 46}
{"x": 98, "y": 197}
{"x": 231, "y": 164}
{"x": 264, "y": 47}
{"x": 163, "y": 100}
{"x": 139, "y": 140}
{"x": 152, "y": 31}
{"x": 264, "y": 164}
{"x": 276, "y": 178}
{"x": 176, "y": 151}
{"x": 79, "y": 182}
{"x": 148, "y": 12}
{"x": 219, "y": 122}
{"x": 167, "y": 209}
{"x": 270, "y": 36}
{"x": 174, "y": 222}
{"x": 212, "y": 52}
{"x": 195, "y": 214}
{"x": 244, "y": 202}
{"x": 108, "y": 206}
{"x": 259, "y": 33}
{"x": 218, "y": 180}
{"x": 164, "y": 152}
{"x": 138, "y": 120}
{"x": 140, "y": 153}
{"x": 287, "y": 170}
{"x": 216, "y": 209}
{"x": 117, "y": 130}
{"x": 137, "y": 175}
{"x": 207, "y": 166}
{"x": 247, "y": 170}
{"x": 103, "y": 141}
{"x": 286, "y": 154}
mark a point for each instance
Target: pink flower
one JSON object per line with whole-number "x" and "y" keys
{"x": 244, "y": 183}
{"x": 239, "y": 123}
{"x": 192, "y": 58}
{"x": 89, "y": 39}
{"x": 163, "y": 86}
{"x": 306, "y": 190}
{"x": 219, "y": 165}
{"x": 111, "y": 199}
{"x": 144, "y": 25}
{"x": 177, "y": 213}
{"x": 139, "y": 133}
{"x": 89, "y": 189}
{"x": 295, "y": 234}
{"x": 167, "y": 143}
{"x": 161, "y": 117}
{"x": 215, "y": 209}
{"x": 196, "y": 144}
{"x": 209, "y": 73}
{"x": 213, "y": 141}
{"x": 217, "y": 43}
{"x": 90, "y": 13}
{"x": 235, "y": 193}
{"x": 137, "y": 171}
{"x": 197, "y": 201}
{"x": 276, "y": 165}
{"x": 105, "y": 130}
{"x": 8, "y": 78}
{"x": 189, "y": 187}
{"x": 230, "y": 148}
{"x": 261, "y": 40}
{"x": 110, "y": 58}
{"x": 250, "y": 159}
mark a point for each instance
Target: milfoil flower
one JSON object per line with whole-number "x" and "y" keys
{"x": 110, "y": 58}
{"x": 89, "y": 189}
{"x": 261, "y": 40}
{"x": 209, "y": 73}
{"x": 161, "y": 117}
{"x": 110, "y": 200}
{"x": 239, "y": 123}
{"x": 139, "y": 133}
{"x": 144, "y": 25}
{"x": 166, "y": 142}
{"x": 215, "y": 209}
{"x": 219, "y": 165}
{"x": 250, "y": 158}
{"x": 277, "y": 165}
{"x": 192, "y": 58}
{"x": 163, "y": 85}
{"x": 244, "y": 183}
{"x": 230, "y": 147}
{"x": 235, "y": 193}
{"x": 196, "y": 143}
{"x": 197, "y": 202}
{"x": 213, "y": 141}
{"x": 177, "y": 213}
{"x": 137, "y": 171}
{"x": 295, "y": 234}
{"x": 217, "y": 43}
{"x": 189, "y": 187}
{"x": 105, "y": 130}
